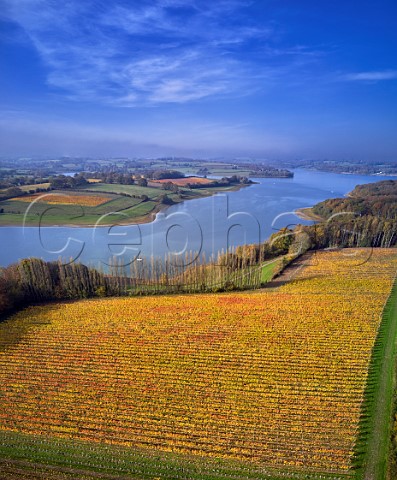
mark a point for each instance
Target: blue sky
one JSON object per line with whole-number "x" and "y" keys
{"x": 269, "y": 79}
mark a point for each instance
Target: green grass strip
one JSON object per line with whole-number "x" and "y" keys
{"x": 63, "y": 455}
{"x": 372, "y": 447}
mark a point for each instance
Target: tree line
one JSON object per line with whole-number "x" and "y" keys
{"x": 366, "y": 218}
{"x": 33, "y": 280}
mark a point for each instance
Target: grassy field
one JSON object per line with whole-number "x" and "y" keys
{"x": 152, "y": 193}
{"x": 266, "y": 384}
{"x": 270, "y": 268}
{"x": 155, "y": 192}
{"x": 220, "y": 169}
{"x": 78, "y": 213}
{"x": 26, "y": 188}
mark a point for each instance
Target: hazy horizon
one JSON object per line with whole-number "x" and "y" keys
{"x": 197, "y": 78}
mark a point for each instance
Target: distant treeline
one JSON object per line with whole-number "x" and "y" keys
{"x": 267, "y": 172}
{"x": 350, "y": 167}
{"x": 223, "y": 182}
{"x": 13, "y": 192}
{"x": 58, "y": 182}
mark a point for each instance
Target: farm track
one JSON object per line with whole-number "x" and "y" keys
{"x": 290, "y": 272}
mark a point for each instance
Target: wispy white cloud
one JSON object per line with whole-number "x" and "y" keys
{"x": 178, "y": 77}
{"x": 129, "y": 53}
{"x": 371, "y": 76}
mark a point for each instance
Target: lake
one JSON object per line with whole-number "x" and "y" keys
{"x": 206, "y": 225}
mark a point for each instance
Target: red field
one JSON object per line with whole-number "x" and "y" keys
{"x": 182, "y": 182}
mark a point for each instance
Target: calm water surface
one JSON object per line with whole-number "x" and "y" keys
{"x": 208, "y": 225}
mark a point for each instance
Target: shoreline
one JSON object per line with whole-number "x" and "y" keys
{"x": 148, "y": 218}
{"x": 308, "y": 214}
{"x": 380, "y": 174}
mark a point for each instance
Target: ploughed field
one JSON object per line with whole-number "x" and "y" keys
{"x": 275, "y": 378}
{"x": 63, "y": 199}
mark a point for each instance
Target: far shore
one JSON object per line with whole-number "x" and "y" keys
{"x": 148, "y": 218}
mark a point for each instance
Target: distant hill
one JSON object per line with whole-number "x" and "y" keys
{"x": 376, "y": 199}
{"x": 366, "y": 217}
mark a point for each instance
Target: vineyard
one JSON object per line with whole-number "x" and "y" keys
{"x": 65, "y": 199}
{"x": 273, "y": 379}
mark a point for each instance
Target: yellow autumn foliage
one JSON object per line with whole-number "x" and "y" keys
{"x": 272, "y": 377}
